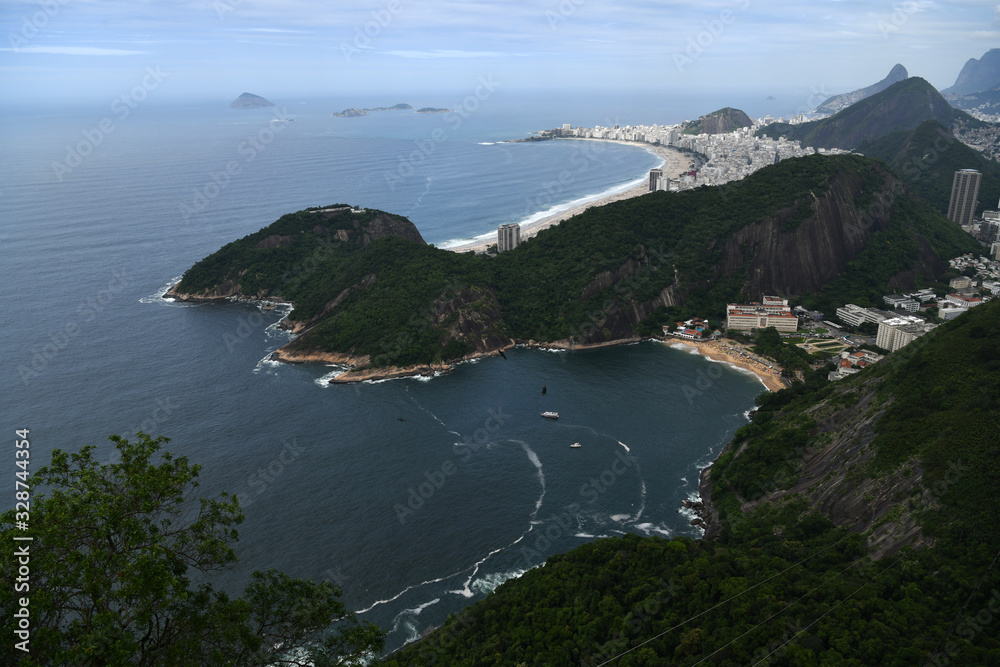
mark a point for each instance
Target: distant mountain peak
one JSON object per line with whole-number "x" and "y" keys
{"x": 901, "y": 107}
{"x": 838, "y": 102}
{"x": 250, "y": 101}
{"x": 977, "y": 75}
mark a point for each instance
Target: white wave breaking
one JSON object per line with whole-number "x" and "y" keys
{"x": 157, "y": 296}
{"x": 650, "y": 529}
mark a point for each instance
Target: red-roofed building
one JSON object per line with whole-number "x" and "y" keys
{"x": 772, "y": 312}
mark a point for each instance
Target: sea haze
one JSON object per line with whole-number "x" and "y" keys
{"x": 416, "y": 496}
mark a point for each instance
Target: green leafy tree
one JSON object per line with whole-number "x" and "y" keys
{"x": 112, "y": 548}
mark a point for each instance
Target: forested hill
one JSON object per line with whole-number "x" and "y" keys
{"x": 902, "y": 106}
{"x": 926, "y": 159}
{"x": 719, "y": 122}
{"x": 823, "y": 229}
{"x": 905, "y": 453}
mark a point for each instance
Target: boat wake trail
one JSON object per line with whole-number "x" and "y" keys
{"x": 487, "y": 582}
{"x": 625, "y": 519}
{"x": 408, "y": 589}
{"x": 416, "y": 204}
{"x": 433, "y": 416}
{"x": 541, "y": 475}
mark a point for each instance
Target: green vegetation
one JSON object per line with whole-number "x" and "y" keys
{"x": 112, "y": 549}
{"x": 364, "y": 290}
{"x": 770, "y": 344}
{"x": 782, "y": 584}
{"x": 902, "y": 106}
{"x": 926, "y": 159}
{"x": 892, "y": 251}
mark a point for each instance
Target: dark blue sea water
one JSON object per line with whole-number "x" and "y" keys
{"x": 417, "y": 496}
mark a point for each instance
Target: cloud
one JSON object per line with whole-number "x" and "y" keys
{"x": 450, "y": 53}
{"x": 73, "y": 51}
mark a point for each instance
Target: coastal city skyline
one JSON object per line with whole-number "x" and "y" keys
{"x": 60, "y": 50}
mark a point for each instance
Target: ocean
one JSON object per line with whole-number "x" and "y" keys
{"x": 416, "y": 496}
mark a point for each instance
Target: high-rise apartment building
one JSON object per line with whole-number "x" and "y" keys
{"x": 964, "y": 195}
{"x": 655, "y": 175}
{"x": 896, "y": 332}
{"x": 508, "y": 236}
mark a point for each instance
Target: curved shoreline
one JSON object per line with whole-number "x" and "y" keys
{"x": 673, "y": 162}
{"x": 715, "y": 351}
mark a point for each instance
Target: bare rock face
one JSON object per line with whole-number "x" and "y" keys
{"x": 795, "y": 252}
{"x": 219, "y": 293}
{"x": 803, "y": 259}
{"x": 387, "y": 225}
{"x": 274, "y": 241}
{"x": 473, "y": 316}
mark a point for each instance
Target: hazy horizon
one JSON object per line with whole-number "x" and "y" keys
{"x": 88, "y": 52}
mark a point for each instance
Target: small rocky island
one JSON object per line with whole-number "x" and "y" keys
{"x": 354, "y": 112}
{"x": 250, "y": 101}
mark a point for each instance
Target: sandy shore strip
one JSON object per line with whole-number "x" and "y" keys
{"x": 732, "y": 353}
{"x": 674, "y": 165}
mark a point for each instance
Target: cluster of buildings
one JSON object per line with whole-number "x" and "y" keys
{"x": 727, "y": 157}
{"x": 853, "y": 362}
{"x": 693, "y": 329}
{"x": 986, "y": 140}
{"x": 895, "y": 329}
{"x": 962, "y": 211}
{"x": 895, "y": 332}
{"x": 899, "y": 325}
{"x": 771, "y": 311}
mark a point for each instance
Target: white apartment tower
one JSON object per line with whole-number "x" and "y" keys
{"x": 964, "y": 195}
{"x": 655, "y": 176}
{"x": 508, "y": 237}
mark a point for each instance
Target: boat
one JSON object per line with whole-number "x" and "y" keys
{"x": 576, "y": 445}
{"x": 551, "y": 415}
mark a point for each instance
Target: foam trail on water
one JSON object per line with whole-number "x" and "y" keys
{"x": 433, "y": 416}
{"x": 642, "y": 505}
{"x": 407, "y": 617}
{"x": 408, "y": 589}
{"x": 416, "y": 204}
{"x": 650, "y": 528}
{"x": 625, "y": 446}
{"x": 541, "y": 475}
{"x": 466, "y": 590}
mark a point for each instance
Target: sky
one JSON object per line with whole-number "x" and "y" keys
{"x": 52, "y": 51}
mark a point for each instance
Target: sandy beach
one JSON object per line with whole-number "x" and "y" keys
{"x": 674, "y": 165}
{"x": 733, "y": 353}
